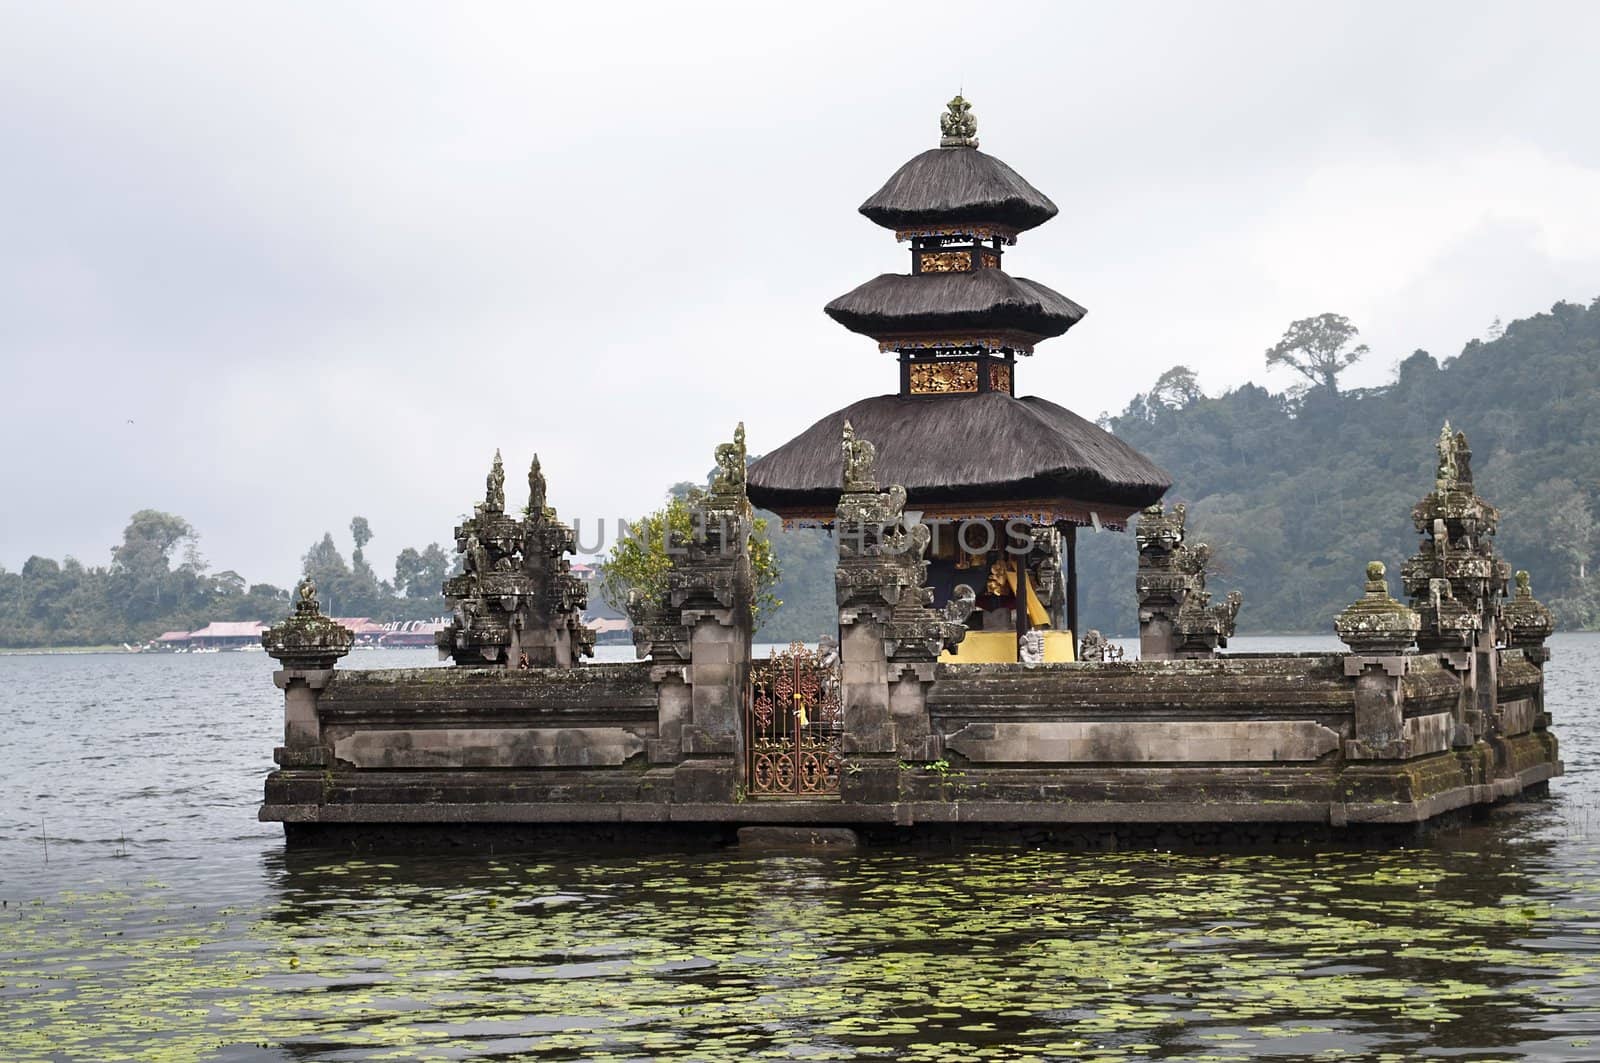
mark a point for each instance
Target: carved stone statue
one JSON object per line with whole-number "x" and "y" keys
{"x": 1096, "y": 647}
{"x": 494, "y": 499}
{"x": 1448, "y": 472}
{"x": 536, "y": 488}
{"x": 963, "y": 600}
{"x": 859, "y": 458}
{"x": 731, "y": 465}
{"x": 1030, "y": 649}
{"x": 958, "y": 125}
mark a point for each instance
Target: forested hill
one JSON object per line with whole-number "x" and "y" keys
{"x": 1295, "y": 493}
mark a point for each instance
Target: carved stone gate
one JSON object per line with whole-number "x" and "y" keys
{"x": 793, "y": 722}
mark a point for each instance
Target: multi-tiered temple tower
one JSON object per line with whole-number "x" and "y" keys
{"x": 956, "y": 433}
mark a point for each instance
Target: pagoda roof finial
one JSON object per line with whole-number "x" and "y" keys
{"x": 958, "y": 125}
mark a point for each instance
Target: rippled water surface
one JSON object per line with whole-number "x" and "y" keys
{"x": 147, "y": 916}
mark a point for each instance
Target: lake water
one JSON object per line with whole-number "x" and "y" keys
{"x": 146, "y": 915}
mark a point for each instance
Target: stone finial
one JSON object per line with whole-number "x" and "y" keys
{"x": 732, "y": 466}
{"x": 958, "y": 125}
{"x": 1445, "y": 479}
{"x": 494, "y": 499}
{"x": 1463, "y": 461}
{"x": 516, "y": 596}
{"x": 859, "y": 458}
{"x": 307, "y": 639}
{"x": 537, "y": 490}
{"x": 1528, "y": 621}
{"x": 1377, "y": 625}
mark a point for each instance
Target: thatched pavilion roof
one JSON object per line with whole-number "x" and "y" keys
{"x": 985, "y": 454}
{"x": 945, "y": 186}
{"x": 898, "y": 304}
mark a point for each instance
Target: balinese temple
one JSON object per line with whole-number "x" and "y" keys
{"x": 969, "y": 449}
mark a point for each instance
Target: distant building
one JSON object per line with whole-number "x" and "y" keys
{"x": 407, "y": 634}
{"x": 227, "y": 635}
{"x": 366, "y": 632}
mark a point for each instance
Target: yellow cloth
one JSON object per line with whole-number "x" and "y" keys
{"x": 1000, "y": 647}
{"x": 1007, "y": 571}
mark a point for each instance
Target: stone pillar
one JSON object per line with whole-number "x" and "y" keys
{"x": 1526, "y": 624}
{"x": 1455, "y": 582}
{"x": 890, "y": 637}
{"x": 699, "y": 627}
{"x": 915, "y": 738}
{"x": 719, "y": 660}
{"x": 307, "y": 645}
{"x": 1379, "y": 632}
{"x": 864, "y": 682}
{"x": 1176, "y": 618}
{"x": 516, "y": 602}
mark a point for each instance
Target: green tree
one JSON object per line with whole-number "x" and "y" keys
{"x": 1176, "y": 389}
{"x": 1318, "y": 348}
{"x": 421, "y": 574}
{"x": 361, "y": 532}
{"x": 143, "y": 582}
{"x": 641, "y": 560}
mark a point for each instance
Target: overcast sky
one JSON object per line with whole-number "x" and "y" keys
{"x": 268, "y": 266}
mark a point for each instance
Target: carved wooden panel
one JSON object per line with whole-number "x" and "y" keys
{"x": 945, "y": 261}
{"x": 999, "y": 377}
{"x": 944, "y": 378}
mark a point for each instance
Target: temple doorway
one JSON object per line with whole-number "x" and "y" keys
{"x": 793, "y": 723}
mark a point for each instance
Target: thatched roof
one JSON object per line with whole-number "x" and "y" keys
{"x": 976, "y": 448}
{"x": 898, "y": 304}
{"x": 953, "y": 185}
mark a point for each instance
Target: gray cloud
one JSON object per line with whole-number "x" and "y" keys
{"x": 328, "y": 257}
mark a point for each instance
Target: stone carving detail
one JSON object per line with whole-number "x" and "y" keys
{"x": 494, "y": 499}
{"x": 859, "y": 457}
{"x": 731, "y": 458}
{"x": 306, "y": 639}
{"x": 1376, "y": 625}
{"x": 711, "y": 570}
{"x": 1527, "y": 621}
{"x": 882, "y": 570}
{"x": 1455, "y": 580}
{"x": 1176, "y": 617}
{"x": 1096, "y": 647}
{"x": 958, "y": 125}
{"x": 516, "y": 601}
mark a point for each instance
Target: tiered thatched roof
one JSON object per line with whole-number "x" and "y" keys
{"x": 988, "y": 454}
{"x": 897, "y": 304}
{"x": 946, "y": 186}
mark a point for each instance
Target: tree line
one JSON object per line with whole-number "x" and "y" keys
{"x": 1296, "y": 490}
{"x": 157, "y": 581}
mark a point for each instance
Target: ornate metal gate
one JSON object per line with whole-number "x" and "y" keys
{"x": 793, "y": 721}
